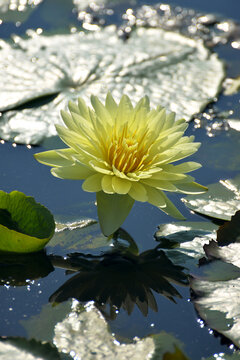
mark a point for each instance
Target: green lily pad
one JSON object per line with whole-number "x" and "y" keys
{"x": 78, "y": 236}
{"x": 221, "y": 201}
{"x": 25, "y": 226}
{"x": 183, "y": 241}
{"x": 23, "y": 349}
{"x": 84, "y": 4}
{"x": 232, "y": 86}
{"x": 16, "y": 10}
{"x": 217, "y": 290}
{"x": 152, "y": 62}
{"x": 84, "y": 331}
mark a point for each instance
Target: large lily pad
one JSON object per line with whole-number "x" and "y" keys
{"x": 217, "y": 289}
{"x": 221, "y": 201}
{"x": 16, "y": 10}
{"x": 84, "y": 332}
{"x": 183, "y": 241}
{"x": 25, "y": 226}
{"x": 22, "y": 349}
{"x": 175, "y": 71}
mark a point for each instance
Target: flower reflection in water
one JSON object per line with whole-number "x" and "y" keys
{"x": 120, "y": 279}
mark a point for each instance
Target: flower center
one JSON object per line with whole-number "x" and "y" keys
{"x": 126, "y": 152}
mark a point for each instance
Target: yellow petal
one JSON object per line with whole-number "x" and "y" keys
{"x": 61, "y": 157}
{"x": 107, "y": 184}
{"x": 111, "y": 105}
{"x": 83, "y": 109}
{"x": 138, "y": 192}
{"x": 101, "y": 167}
{"x": 160, "y": 184}
{"x": 171, "y": 209}
{"x": 100, "y": 110}
{"x": 164, "y": 175}
{"x": 93, "y": 183}
{"x": 191, "y": 188}
{"x": 76, "y": 171}
{"x": 121, "y": 186}
{"x": 182, "y": 168}
{"x": 124, "y": 110}
{"x": 170, "y": 118}
{"x": 155, "y": 197}
{"x": 68, "y": 121}
{"x": 73, "y": 107}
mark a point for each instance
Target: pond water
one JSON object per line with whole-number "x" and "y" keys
{"x": 23, "y": 301}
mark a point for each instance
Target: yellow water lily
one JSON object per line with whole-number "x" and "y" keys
{"x": 124, "y": 153}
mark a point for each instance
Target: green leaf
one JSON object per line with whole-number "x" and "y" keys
{"x": 217, "y": 289}
{"x": 74, "y": 65}
{"x": 229, "y": 232}
{"x": 112, "y": 211}
{"x": 84, "y": 331}
{"x": 16, "y": 10}
{"x": 221, "y": 201}
{"x": 23, "y": 349}
{"x": 232, "y": 86}
{"x": 25, "y": 226}
{"x": 78, "y": 236}
{"x": 183, "y": 241}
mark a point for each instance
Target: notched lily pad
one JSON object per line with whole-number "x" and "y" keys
{"x": 79, "y": 235}
{"x": 217, "y": 289}
{"x": 23, "y": 349}
{"x": 177, "y": 72}
{"x": 232, "y": 86}
{"x": 25, "y": 226}
{"x": 84, "y": 331}
{"x": 221, "y": 201}
{"x": 183, "y": 241}
{"x": 16, "y": 10}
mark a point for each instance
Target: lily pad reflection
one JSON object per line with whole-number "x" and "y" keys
{"x": 120, "y": 279}
{"x": 17, "y": 270}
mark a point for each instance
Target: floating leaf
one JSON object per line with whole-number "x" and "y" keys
{"x": 221, "y": 201}
{"x": 22, "y": 349}
{"x": 229, "y": 232}
{"x": 178, "y": 72}
{"x": 234, "y": 124}
{"x": 84, "y": 4}
{"x": 232, "y": 86}
{"x": 25, "y": 226}
{"x": 183, "y": 241}
{"x": 84, "y": 331}
{"x": 16, "y": 10}
{"x": 79, "y": 235}
{"x": 217, "y": 291}
{"x": 41, "y": 326}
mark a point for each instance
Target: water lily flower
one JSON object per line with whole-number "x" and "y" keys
{"x": 124, "y": 153}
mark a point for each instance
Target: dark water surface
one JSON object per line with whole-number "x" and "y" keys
{"x": 20, "y": 171}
